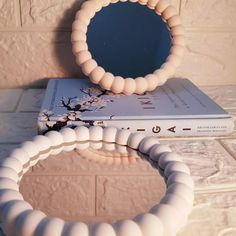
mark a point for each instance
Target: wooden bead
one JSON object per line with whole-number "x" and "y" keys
{"x": 161, "y": 6}
{"x": 69, "y": 138}
{"x": 82, "y": 57}
{"x": 121, "y": 149}
{"x": 181, "y": 190}
{"x": 157, "y": 150}
{"x": 96, "y": 133}
{"x": 31, "y": 148}
{"x": 141, "y": 85}
{"x": 102, "y": 229}
{"x": 147, "y": 143}
{"x": 178, "y": 40}
{"x": 174, "y": 60}
{"x": 89, "y": 66}
{"x": 129, "y": 86}
{"x": 106, "y": 80}
{"x": 143, "y": 2}
{"x": 95, "y": 145}
{"x": 56, "y": 140}
{"x": 169, "y": 12}
{"x": 97, "y": 74}
{"x": 152, "y": 82}
{"x": 169, "y": 69}
{"x": 75, "y": 229}
{"x": 127, "y": 227}
{"x": 152, "y": 4}
{"x": 27, "y": 222}
{"x": 109, "y": 134}
{"x": 149, "y": 224}
{"x": 135, "y": 140}
{"x": 98, "y": 4}
{"x": 161, "y": 75}
{"x": 109, "y": 149}
{"x": 161, "y": 172}
{"x": 177, "y": 202}
{"x": 180, "y": 177}
{"x": 105, "y": 3}
{"x": 7, "y": 195}
{"x": 21, "y": 156}
{"x": 165, "y": 218}
{"x": 78, "y": 36}
{"x": 68, "y": 135}
{"x": 82, "y": 146}
{"x": 133, "y": 154}
{"x": 6, "y": 183}
{"x": 118, "y": 84}
{"x": 174, "y": 21}
{"x": 177, "y": 30}
{"x": 79, "y": 25}
{"x": 122, "y": 136}
{"x": 12, "y": 163}
{"x": 6, "y": 172}
{"x": 52, "y": 227}
{"x": 169, "y": 217}
{"x": 9, "y": 214}
{"x": 43, "y": 143}
{"x": 178, "y": 166}
{"x": 82, "y": 134}
{"x": 165, "y": 158}
{"x": 79, "y": 46}
{"x": 177, "y": 50}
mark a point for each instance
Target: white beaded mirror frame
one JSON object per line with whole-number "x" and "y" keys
{"x": 164, "y": 219}
{"x": 118, "y": 84}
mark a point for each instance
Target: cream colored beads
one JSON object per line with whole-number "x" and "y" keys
{"x": 127, "y": 227}
{"x": 75, "y": 229}
{"x": 164, "y": 219}
{"x": 28, "y": 221}
{"x": 118, "y": 84}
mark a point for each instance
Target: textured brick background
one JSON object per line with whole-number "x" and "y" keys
{"x": 35, "y": 41}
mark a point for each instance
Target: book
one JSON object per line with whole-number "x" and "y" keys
{"x": 178, "y": 108}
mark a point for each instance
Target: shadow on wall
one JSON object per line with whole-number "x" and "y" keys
{"x": 62, "y": 48}
{"x": 62, "y": 45}
{"x": 126, "y": 39}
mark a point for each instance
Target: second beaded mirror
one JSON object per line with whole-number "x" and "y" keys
{"x": 144, "y": 60}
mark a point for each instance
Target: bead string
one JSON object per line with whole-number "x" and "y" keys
{"x": 164, "y": 219}
{"x": 118, "y": 84}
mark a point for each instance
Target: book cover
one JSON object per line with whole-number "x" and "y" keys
{"x": 177, "y": 108}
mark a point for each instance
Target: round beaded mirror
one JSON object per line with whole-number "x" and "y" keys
{"x": 116, "y": 83}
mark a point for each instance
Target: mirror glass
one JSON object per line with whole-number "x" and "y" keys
{"x": 128, "y": 39}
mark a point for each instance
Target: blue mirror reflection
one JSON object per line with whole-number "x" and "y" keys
{"x": 128, "y": 39}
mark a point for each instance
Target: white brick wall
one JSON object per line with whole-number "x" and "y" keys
{"x": 35, "y": 41}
